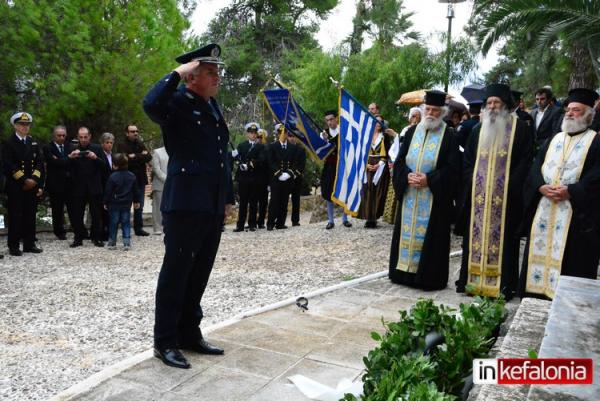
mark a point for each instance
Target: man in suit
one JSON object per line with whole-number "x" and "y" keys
{"x": 197, "y": 197}
{"x": 546, "y": 118}
{"x": 250, "y": 159}
{"x": 86, "y": 164}
{"x": 58, "y": 179}
{"x": 160, "y": 160}
{"x": 107, "y": 141}
{"x": 282, "y": 157}
{"x": 138, "y": 156}
{"x": 24, "y": 167}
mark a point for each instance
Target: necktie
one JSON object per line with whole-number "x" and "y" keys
{"x": 283, "y": 146}
{"x": 62, "y": 149}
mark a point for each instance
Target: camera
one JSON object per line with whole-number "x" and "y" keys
{"x": 84, "y": 153}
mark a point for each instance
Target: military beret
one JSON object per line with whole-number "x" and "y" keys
{"x": 252, "y": 127}
{"x": 21, "y": 117}
{"x": 207, "y": 54}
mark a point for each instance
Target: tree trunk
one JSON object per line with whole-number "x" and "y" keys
{"x": 582, "y": 74}
{"x": 358, "y": 22}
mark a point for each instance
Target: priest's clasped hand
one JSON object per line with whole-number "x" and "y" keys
{"x": 556, "y": 193}
{"x": 417, "y": 180}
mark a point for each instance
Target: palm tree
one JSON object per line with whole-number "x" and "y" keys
{"x": 574, "y": 23}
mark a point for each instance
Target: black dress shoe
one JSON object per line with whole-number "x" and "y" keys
{"x": 347, "y": 224}
{"x": 15, "y": 252}
{"x": 252, "y": 229}
{"x": 202, "y": 347}
{"x": 75, "y": 244}
{"x": 283, "y": 227}
{"x": 1, "y": 256}
{"x": 98, "y": 243}
{"x": 261, "y": 226}
{"x": 329, "y": 226}
{"x": 269, "y": 228}
{"x": 238, "y": 230}
{"x": 61, "y": 237}
{"x": 295, "y": 224}
{"x": 32, "y": 249}
{"x": 142, "y": 233}
{"x": 172, "y": 357}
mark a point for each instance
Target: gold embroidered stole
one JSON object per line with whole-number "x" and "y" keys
{"x": 488, "y": 213}
{"x": 562, "y": 166}
{"x": 416, "y": 202}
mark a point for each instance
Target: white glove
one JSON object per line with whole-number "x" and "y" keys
{"x": 284, "y": 177}
{"x": 244, "y": 167}
{"x": 234, "y": 153}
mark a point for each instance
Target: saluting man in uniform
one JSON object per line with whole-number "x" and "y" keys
{"x": 197, "y": 196}
{"x": 23, "y": 166}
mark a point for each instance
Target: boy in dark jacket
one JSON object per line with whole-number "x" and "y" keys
{"x": 121, "y": 191}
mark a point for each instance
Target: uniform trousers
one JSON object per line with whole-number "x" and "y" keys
{"x": 22, "y": 206}
{"x": 296, "y": 191}
{"x": 58, "y": 201}
{"x": 248, "y": 192}
{"x": 280, "y": 194}
{"x": 191, "y": 244}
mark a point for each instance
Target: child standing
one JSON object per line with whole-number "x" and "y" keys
{"x": 121, "y": 191}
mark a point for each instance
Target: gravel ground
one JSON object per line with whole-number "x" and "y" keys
{"x": 68, "y": 313}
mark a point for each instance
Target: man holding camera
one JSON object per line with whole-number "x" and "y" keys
{"x": 86, "y": 164}
{"x": 23, "y": 166}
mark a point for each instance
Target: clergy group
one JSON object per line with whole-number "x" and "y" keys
{"x": 496, "y": 187}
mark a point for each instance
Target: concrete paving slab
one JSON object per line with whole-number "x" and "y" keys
{"x": 393, "y": 303}
{"x": 324, "y": 373}
{"x": 292, "y": 318}
{"x": 218, "y": 383}
{"x": 379, "y": 286}
{"x": 341, "y": 353}
{"x": 352, "y": 295}
{"x": 118, "y": 389}
{"x": 359, "y": 333}
{"x": 241, "y": 332}
{"x": 259, "y": 362}
{"x": 336, "y": 309}
{"x": 288, "y": 342}
{"x": 279, "y": 391}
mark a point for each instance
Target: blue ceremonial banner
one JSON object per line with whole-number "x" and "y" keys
{"x": 357, "y": 126}
{"x": 289, "y": 113}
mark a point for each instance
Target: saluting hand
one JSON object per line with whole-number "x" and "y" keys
{"x": 186, "y": 69}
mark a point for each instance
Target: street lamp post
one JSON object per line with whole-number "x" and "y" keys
{"x": 450, "y": 15}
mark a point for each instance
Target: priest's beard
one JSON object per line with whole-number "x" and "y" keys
{"x": 432, "y": 123}
{"x": 576, "y": 124}
{"x": 493, "y": 125}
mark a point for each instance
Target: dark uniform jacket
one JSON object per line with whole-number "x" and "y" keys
{"x": 283, "y": 161}
{"x": 253, "y": 156}
{"x": 58, "y": 174}
{"x": 196, "y": 138}
{"x": 86, "y": 174}
{"x": 21, "y": 161}
{"x": 137, "y": 164}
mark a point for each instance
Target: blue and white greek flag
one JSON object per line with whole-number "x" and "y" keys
{"x": 357, "y": 126}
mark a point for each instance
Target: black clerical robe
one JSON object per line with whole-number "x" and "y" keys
{"x": 430, "y": 271}
{"x": 500, "y": 252}
{"x": 582, "y": 248}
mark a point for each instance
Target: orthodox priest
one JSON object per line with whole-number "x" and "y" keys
{"x": 425, "y": 173}
{"x": 562, "y": 193}
{"x": 496, "y": 161}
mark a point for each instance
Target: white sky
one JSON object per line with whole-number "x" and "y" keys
{"x": 430, "y": 17}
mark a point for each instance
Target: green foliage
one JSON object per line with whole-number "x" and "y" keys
{"x": 397, "y": 368}
{"x": 83, "y": 62}
{"x": 571, "y": 26}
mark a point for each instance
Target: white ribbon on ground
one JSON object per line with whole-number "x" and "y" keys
{"x": 320, "y": 392}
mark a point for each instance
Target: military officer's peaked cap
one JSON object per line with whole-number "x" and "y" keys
{"x": 252, "y": 127}
{"x": 21, "y": 117}
{"x": 435, "y": 98}
{"x": 582, "y": 95}
{"x": 208, "y": 54}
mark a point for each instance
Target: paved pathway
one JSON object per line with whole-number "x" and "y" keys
{"x": 326, "y": 344}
